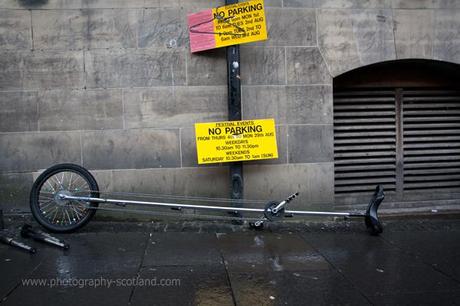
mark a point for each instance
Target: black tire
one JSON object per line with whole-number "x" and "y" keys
{"x": 67, "y": 208}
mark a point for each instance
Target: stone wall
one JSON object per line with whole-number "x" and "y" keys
{"x": 111, "y": 85}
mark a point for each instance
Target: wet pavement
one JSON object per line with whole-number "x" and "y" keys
{"x": 414, "y": 262}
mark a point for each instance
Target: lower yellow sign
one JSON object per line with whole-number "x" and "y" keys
{"x": 230, "y": 141}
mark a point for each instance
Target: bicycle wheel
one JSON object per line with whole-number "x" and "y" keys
{"x": 59, "y": 215}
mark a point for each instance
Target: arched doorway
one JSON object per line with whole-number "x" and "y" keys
{"x": 397, "y": 123}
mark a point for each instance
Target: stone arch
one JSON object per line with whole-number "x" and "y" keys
{"x": 397, "y": 123}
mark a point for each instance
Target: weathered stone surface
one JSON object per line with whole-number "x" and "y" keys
{"x": 112, "y": 28}
{"x": 354, "y": 3}
{"x": 82, "y": 4}
{"x": 15, "y": 31}
{"x": 80, "y": 110}
{"x": 310, "y": 104}
{"x": 131, "y": 149}
{"x": 314, "y": 182}
{"x": 273, "y": 3}
{"x": 203, "y": 182}
{"x": 195, "y": 6}
{"x": 306, "y": 66}
{"x": 373, "y": 31}
{"x": 207, "y": 68}
{"x": 336, "y": 40}
{"x": 135, "y": 68}
{"x": 15, "y": 190}
{"x": 11, "y": 74}
{"x": 162, "y": 28}
{"x": 414, "y": 4}
{"x": 425, "y": 4}
{"x": 188, "y": 148}
{"x": 447, "y": 35}
{"x": 413, "y": 33}
{"x": 58, "y": 110}
{"x": 104, "y": 179}
{"x": 289, "y": 104}
{"x": 59, "y": 29}
{"x": 311, "y": 143}
{"x": 259, "y": 102}
{"x": 50, "y": 70}
{"x": 351, "y": 4}
{"x": 174, "y": 107}
{"x": 125, "y": 4}
{"x": 287, "y": 77}
{"x": 299, "y": 3}
{"x": 18, "y": 111}
{"x": 290, "y": 27}
{"x": 444, "y": 4}
{"x": 31, "y": 151}
{"x": 263, "y": 66}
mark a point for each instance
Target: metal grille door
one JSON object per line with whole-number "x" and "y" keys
{"x": 431, "y": 139}
{"x": 364, "y": 140}
{"x": 408, "y": 140}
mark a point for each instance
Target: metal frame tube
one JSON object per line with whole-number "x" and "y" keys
{"x": 207, "y": 207}
{"x": 176, "y": 205}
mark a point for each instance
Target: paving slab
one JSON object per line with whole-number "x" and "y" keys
{"x": 441, "y": 250}
{"x": 414, "y": 262}
{"x": 184, "y": 285}
{"x": 268, "y": 252}
{"x": 314, "y": 287}
{"x": 379, "y": 268}
{"x": 53, "y": 275}
{"x": 182, "y": 249}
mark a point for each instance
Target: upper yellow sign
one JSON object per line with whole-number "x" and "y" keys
{"x": 229, "y": 141}
{"x": 227, "y": 25}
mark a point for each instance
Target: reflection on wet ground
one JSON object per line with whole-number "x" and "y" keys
{"x": 411, "y": 263}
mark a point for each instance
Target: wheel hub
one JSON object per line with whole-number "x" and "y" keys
{"x": 59, "y": 197}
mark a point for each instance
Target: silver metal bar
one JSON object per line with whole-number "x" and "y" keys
{"x": 322, "y": 213}
{"x": 112, "y": 201}
{"x": 224, "y": 208}
{"x": 56, "y": 243}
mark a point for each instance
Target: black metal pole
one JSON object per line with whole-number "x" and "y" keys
{"x": 2, "y": 224}
{"x": 234, "y": 113}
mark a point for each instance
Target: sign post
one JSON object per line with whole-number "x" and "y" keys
{"x": 234, "y": 113}
{"x": 2, "y": 225}
{"x": 228, "y": 26}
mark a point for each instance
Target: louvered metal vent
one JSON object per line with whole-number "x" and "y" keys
{"x": 364, "y": 140}
{"x": 431, "y": 139}
{"x": 405, "y": 139}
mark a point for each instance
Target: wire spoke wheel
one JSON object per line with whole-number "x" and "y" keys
{"x": 55, "y": 213}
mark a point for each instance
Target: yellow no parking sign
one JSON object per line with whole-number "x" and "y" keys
{"x": 230, "y": 141}
{"x": 227, "y": 25}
